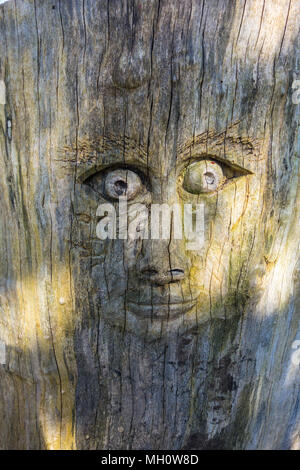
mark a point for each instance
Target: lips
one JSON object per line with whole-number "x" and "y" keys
{"x": 161, "y": 310}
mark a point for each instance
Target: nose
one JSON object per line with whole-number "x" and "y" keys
{"x": 162, "y": 262}
{"x": 159, "y": 278}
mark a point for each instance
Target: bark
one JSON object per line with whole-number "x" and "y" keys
{"x": 149, "y": 84}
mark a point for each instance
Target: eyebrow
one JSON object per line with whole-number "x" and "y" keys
{"x": 221, "y": 142}
{"x": 87, "y": 150}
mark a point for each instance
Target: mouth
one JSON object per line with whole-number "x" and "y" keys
{"x": 161, "y": 310}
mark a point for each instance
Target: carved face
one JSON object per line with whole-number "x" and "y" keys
{"x": 155, "y": 286}
{"x": 162, "y": 130}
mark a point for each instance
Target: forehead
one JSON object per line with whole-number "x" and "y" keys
{"x": 163, "y": 79}
{"x": 171, "y": 77}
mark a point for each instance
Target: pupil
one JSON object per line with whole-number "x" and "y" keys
{"x": 209, "y": 177}
{"x": 120, "y": 187}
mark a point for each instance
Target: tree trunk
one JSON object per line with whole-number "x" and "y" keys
{"x": 149, "y": 88}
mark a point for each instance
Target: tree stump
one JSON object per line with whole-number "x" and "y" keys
{"x": 143, "y": 344}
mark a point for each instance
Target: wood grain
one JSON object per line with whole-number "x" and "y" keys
{"x": 152, "y": 84}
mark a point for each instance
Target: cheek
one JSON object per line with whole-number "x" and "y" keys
{"x": 132, "y": 251}
{"x": 230, "y": 226}
{"x": 98, "y": 265}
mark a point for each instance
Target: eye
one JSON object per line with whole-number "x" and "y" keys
{"x": 115, "y": 183}
{"x": 206, "y": 176}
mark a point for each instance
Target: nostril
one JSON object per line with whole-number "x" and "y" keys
{"x": 149, "y": 272}
{"x": 176, "y": 272}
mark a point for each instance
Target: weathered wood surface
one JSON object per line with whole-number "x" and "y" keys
{"x": 88, "y": 81}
